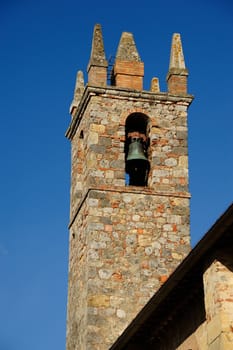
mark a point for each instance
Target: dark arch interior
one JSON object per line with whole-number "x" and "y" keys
{"x": 136, "y": 122}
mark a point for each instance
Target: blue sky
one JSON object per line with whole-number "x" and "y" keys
{"x": 43, "y": 44}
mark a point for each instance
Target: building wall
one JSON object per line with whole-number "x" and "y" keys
{"x": 218, "y": 283}
{"x": 216, "y": 333}
{"x": 196, "y": 341}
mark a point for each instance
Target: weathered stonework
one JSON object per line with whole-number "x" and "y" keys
{"x": 218, "y": 283}
{"x": 98, "y": 157}
{"x": 124, "y": 240}
{"x": 216, "y": 332}
{"x": 128, "y": 244}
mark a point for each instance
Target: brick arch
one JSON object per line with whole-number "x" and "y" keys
{"x": 137, "y": 121}
{"x": 127, "y": 113}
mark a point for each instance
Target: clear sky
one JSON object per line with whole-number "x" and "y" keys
{"x": 43, "y": 44}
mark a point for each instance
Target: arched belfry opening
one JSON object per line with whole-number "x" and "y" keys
{"x": 137, "y": 165}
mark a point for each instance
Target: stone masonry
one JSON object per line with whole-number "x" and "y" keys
{"x": 216, "y": 332}
{"x": 124, "y": 240}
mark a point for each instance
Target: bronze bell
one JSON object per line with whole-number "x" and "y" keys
{"x": 136, "y": 150}
{"x": 137, "y": 164}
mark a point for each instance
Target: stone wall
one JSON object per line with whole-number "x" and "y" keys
{"x": 123, "y": 246}
{"x": 218, "y": 284}
{"x": 216, "y": 333}
{"x": 98, "y": 157}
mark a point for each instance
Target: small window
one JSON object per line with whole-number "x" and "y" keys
{"x": 137, "y": 165}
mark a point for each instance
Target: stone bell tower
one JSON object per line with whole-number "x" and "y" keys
{"x": 129, "y": 215}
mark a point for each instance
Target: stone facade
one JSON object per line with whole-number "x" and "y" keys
{"x": 216, "y": 332}
{"x": 124, "y": 240}
{"x": 193, "y": 309}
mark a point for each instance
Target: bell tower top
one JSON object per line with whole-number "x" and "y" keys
{"x": 177, "y": 74}
{"x": 78, "y": 92}
{"x": 97, "y": 67}
{"x": 128, "y": 70}
{"x": 177, "y": 56}
{"x": 127, "y": 50}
